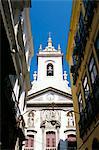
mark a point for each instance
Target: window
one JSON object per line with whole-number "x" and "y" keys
{"x": 96, "y": 44}
{"x": 95, "y": 144}
{"x": 26, "y": 143}
{"x": 30, "y": 141}
{"x": 85, "y": 3}
{"x": 92, "y": 70}
{"x": 53, "y": 142}
{"x": 80, "y": 102}
{"x": 86, "y": 87}
{"x": 50, "y": 140}
{"x": 81, "y": 23}
{"x": 75, "y": 59}
{"x": 50, "y": 70}
{"x": 72, "y": 143}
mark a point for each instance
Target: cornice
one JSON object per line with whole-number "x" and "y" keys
{"x": 49, "y": 89}
{"x": 50, "y": 55}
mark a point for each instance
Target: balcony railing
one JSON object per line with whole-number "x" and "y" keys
{"x": 88, "y": 115}
{"x": 80, "y": 42}
{"x": 96, "y": 94}
{"x": 96, "y": 44}
{"x": 74, "y": 71}
{"x": 89, "y": 11}
{"x": 82, "y": 34}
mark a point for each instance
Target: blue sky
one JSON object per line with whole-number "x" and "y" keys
{"x": 50, "y": 16}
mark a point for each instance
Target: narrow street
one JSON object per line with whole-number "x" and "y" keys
{"x": 49, "y": 75}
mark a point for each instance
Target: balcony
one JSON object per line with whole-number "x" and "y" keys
{"x": 89, "y": 113}
{"x": 82, "y": 34}
{"x": 96, "y": 95}
{"x": 74, "y": 71}
{"x": 80, "y": 43}
{"x": 96, "y": 45}
{"x": 86, "y": 116}
{"x": 89, "y": 12}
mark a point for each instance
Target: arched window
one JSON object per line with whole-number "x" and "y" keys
{"x": 50, "y": 70}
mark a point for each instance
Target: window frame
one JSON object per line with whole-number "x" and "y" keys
{"x": 86, "y": 86}
{"x": 53, "y": 142}
{"x": 50, "y": 137}
{"x": 30, "y": 141}
{"x": 80, "y": 104}
{"x": 92, "y": 69}
{"x": 96, "y": 45}
{"x": 50, "y": 72}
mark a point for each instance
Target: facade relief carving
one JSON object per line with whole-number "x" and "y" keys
{"x": 31, "y": 119}
{"x": 50, "y": 115}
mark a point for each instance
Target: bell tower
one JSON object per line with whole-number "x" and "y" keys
{"x": 50, "y": 70}
{"x": 49, "y": 62}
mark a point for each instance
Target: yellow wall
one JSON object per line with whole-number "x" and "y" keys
{"x": 73, "y": 26}
{"x": 77, "y": 6}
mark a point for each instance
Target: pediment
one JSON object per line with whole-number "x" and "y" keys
{"x": 49, "y": 95}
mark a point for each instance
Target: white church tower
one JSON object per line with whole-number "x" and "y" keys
{"x": 49, "y": 116}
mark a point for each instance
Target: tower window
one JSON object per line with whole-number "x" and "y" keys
{"x": 50, "y": 71}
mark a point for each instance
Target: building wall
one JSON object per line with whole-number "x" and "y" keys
{"x": 15, "y": 76}
{"x": 79, "y": 59}
{"x": 40, "y": 132}
{"x": 57, "y": 62}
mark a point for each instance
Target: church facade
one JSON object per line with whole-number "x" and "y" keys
{"x": 49, "y": 116}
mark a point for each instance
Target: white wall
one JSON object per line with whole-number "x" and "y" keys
{"x": 42, "y": 66}
{"x": 39, "y": 140}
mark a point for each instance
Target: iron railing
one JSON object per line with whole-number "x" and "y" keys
{"x": 89, "y": 113}
{"x": 81, "y": 36}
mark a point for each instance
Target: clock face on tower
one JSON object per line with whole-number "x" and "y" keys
{"x": 50, "y": 96}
